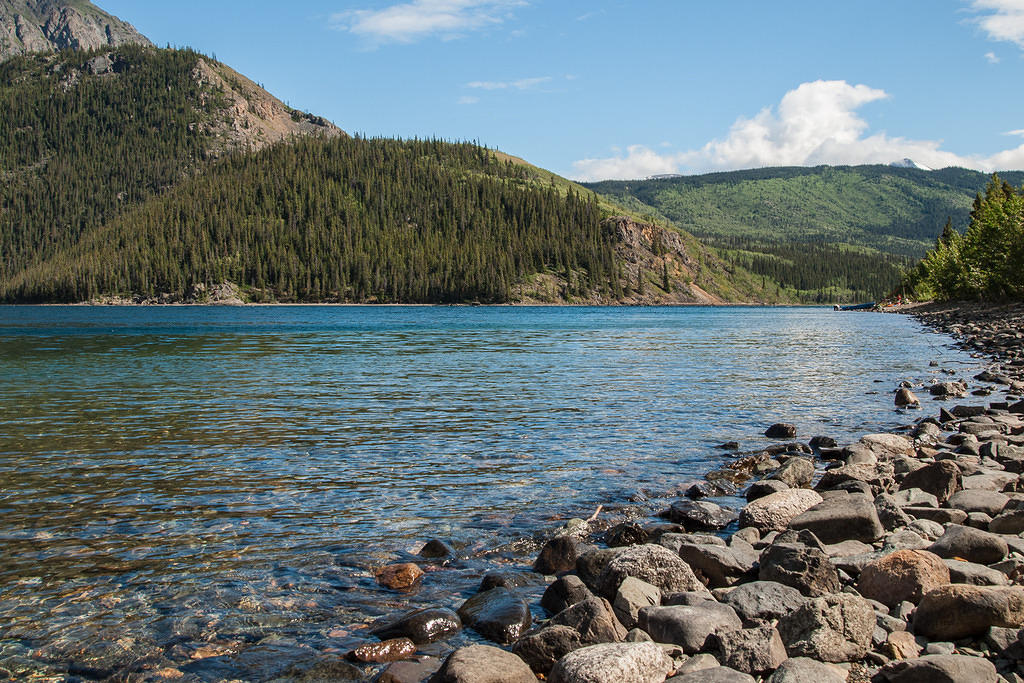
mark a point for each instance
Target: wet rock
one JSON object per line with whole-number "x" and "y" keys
{"x": 542, "y": 649}
{"x": 688, "y": 626}
{"x": 318, "y": 668}
{"x": 502, "y": 579}
{"x": 386, "y": 651}
{"x": 698, "y": 515}
{"x": 970, "y": 544}
{"x": 763, "y": 600}
{"x": 948, "y": 389}
{"x": 903, "y": 575}
{"x": 806, "y": 569}
{"x": 796, "y": 473}
{"x": 833, "y": 628}
{"x": 941, "y": 479}
{"x": 420, "y": 626}
{"x": 804, "y": 670}
{"x": 593, "y": 619}
{"x": 775, "y": 511}
{"x": 755, "y": 651}
{"x": 781, "y": 430}
{"x": 435, "y": 549}
{"x": 906, "y": 398}
{"x": 497, "y": 614}
{"x": 721, "y": 566}
{"x": 822, "y": 442}
{"x": 409, "y": 671}
{"x": 483, "y": 664}
{"x": 1010, "y": 522}
{"x": 654, "y": 564}
{"x": 614, "y": 663}
{"x": 719, "y": 674}
{"x": 974, "y": 574}
{"x": 399, "y": 576}
{"x": 626, "y": 534}
{"x": 841, "y": 518}
{"x": 977, "y": 608}
{"x": 632, "y": 596}
{"x": 591, "y": 564}
{"x": 979, "y": 500}
{"x": 559, "y": 555}
{"x": 941, "y": 669}
{"x": 563, "y": 593}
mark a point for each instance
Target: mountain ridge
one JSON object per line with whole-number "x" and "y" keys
{"x": 28, "y": 26}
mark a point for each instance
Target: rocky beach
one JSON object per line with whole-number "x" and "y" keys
{"x": 897, "y": 558}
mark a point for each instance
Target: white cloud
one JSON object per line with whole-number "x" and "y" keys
{"x": 992, "y": 58}
{"x": 817, "y": 123}
{"x": 469, "y": 99}
{"x": 1019, "y": 133}
{"x": 521, "y": 84}
{"x": 1003, "y": 19}
{"x": 411, "y": 21}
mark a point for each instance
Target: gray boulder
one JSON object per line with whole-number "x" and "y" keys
{"x": 763, "y": 600}
{"x": 565, "y": 592}
{"x": 699, "y": 515}
{"x": 688, "y": 626}
{"x": 941, "y": 669}
{"x": 542, "y": 649}
{"x": 593, "y": 619}
{"x": 721, "y": 566}
{"x": 774, "y": 511}
{"x": 804, "y": 568}
{"x": 979, "y": 500}
{"x": 797, "y": 473}
{"x": 483, "y": 664}
{"x": 654, "y": 564}
{"x": 1010, "y": 522}
{"x": 841, "y": 518}
{"x": 970, "y": 544}
{"x": 941, "y": 479}
{"x": 614, "y": 663}
{"x": 834, "y": 628}
{"x": 804, "y": 670}
{"x": 754, "y": 651}
{"x": 632, "y": 596}
{"x": 977, "y": 608}
{"x": 974, "y": 574}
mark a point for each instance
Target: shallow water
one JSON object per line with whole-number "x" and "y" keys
{"x": 172, "y": 477}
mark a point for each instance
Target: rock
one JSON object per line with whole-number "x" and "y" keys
{"x": 688, "y": 626}
{"x": 542, "y": 649}
{"x": 905, "y": 397}
{"x": 483, "y": 664}
{"x": 976, "y": 608}
{"x": 614, "y": 663}
{"x": 879, "y": 477}
{"x": 833, "y": 628}
{"x": 974, "y": 574}
{"x": 804, "y": 670}
{"x": 774, "y": 512}
{"x": 903, "y": 575}
{"x": 654, "y": 564}
{"x": 593, "y": 619}
{"x": 915, "y": 498}
{"x": 970, "y": 544}
{"x": 941, "y": 479}
{"x": 399, "y": 576}
{"x": 701, "y": 662}
{"x": 796, "y": 473}
{"x": 386, "y": 651}
{"x": 948, "y": 389}
{"x": 559, "y": 555}
{"x": 941, "y": 669}
{"x": 906, "y": 539}
{"x": 889, "y": 446}
{"x": 806, "y": 569}
{"x": 1010, "y": 522}
{"x": 755, "y": 651}
{"x": 435, "y": 549}
{"x": 591, "y": 564}
{"x": 841, "y": 518}
{"x": 763, "y": 600}
{"x": 747, "y": 534}
{"x": 901, "y": 645}
{"x": 979, "y": 500}
{"x": 626, "y": 534}
{"x": 563, "y": 593}
{"x": 676, "y": 541}
{"x": 501, "y": 579}
{"x": 497, "y": 614}
{"x": 699, "y": 515}
{"x": 633, "y": 595}
{"x": 420, "y": 626}
{"x": 781, "y": 430}
{"x": 721, "y": 566}
{"x": 414, "y": 671}
{"x": 938, "y": 515}
{"x": 889, "y": 512}
{"x": 765, "y": 487}
{"x": 718, "y": 674}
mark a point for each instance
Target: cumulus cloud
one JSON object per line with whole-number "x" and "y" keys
{"x": 817, "y": 123}
{"x": 412, "y": 21}
{"x": 1002, "y": 20}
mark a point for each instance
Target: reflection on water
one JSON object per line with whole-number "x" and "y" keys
{"x": 178, "y": 476}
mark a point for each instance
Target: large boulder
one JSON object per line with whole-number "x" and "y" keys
{"x": 806, "y": 670}
{"x": 970, "y": 544}
{"x": 632, "y": 596}
{"x": 755, "y": 651}
{"x": 941, "y": 479}
{"x": 797, "y": 473}
{"x": 721, "y": 566}
{"x": 963, "y": 611}
{"x": 497, "y": 614}
{"x": 974, "y": 574}
{"x": 802, "y": 567}
{"x": 420, "y": 626}
{"x": 1010, "y": 522}
{"x": 889, "y": 446}
{"x": 842, "y": 518}
{"x": 688, "y": 626}
{"x": 979, "y": 500}
{"x": 542, "y": 649}
{"x": 774, "y": 512}
{"x": 559, "y": 555}
{"x": 614, "y": 663}
{"x": 591, "y": 564}
{"x": 593, "y": 619}
{"x": 941, "y": 669}
{"x": 763, "y": 600}
{"x": 699, "y": 515}
{"x": 564, "y": 592}
{"x": 483, "y": 664}
{"x": 654, "y": 564}
{"x": 905, "y": 575}
{"x": 833, "y": 628}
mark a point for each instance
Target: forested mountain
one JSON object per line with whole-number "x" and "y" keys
{"x": 45, "y": 25}
{"x": 826, "y": 232}
{"x": 161, "y": 175}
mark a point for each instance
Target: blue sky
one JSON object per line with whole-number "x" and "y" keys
{"x": 612, "y": 89}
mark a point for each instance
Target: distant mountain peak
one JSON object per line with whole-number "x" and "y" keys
{"x": 46, "y": 25}
{"x": 909, "y": 163}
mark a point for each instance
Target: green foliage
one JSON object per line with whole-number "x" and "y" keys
{"x": 986, "y": 262}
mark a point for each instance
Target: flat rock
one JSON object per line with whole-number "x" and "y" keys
{"x": 632, "y": 596}
{"x": 420, "y": 626}
{"x": 1010, "y": 522}
{"x": 841, "y": 518}
{"x": 888, "y": 446}
{"x": 937, "y": 515}
{"x": 805, "y": 670}
{"x": 614, "y": 663}
{"x": 774, "y": 512}
{"x": 688, "y": 626}
{"x": 593, "y": 619}
{"x": 902, "y": 575}
{"x": 765, "y": 487}
{"x": 804, "y": 568}
{"x": 721, "y": 566}
{"x": 754, "y": 651}
{"x": 699, "y": 515}
{"x": 974, "y": 574}
{"x": 979, "y": 500}
{"x": 542, "y": 649}
{"x": 970, "y": 544}
{"x": 483, "y": 664}
{"x": 654, "y": 564}
{"x": 941, "y": 669}
{"x": 977, "y": 608}
{"x": 763, "y": 600}
{"x": 833, "y": 628}
{"x": 941, "y": 479}
{"x": 497, "y": 614}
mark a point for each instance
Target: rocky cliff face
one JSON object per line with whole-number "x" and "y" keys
{"x": 45, "y": 25}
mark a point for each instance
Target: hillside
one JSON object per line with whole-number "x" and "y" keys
{"x": 28, "y": 26}
{"x": 826, "y": 232}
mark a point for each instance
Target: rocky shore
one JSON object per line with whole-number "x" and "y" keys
{"x": 899, "y": 558}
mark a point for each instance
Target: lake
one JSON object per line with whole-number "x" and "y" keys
{"x": 180, "y": 476}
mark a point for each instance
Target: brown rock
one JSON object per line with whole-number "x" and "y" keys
{"x": 399, "y": 576}
{"x": 384, "y": 652}
{"x": 901, "y": 645}
{"x": 941, "y": 479}
{"x": 963, "y": 611}
{"x": 903, "y": 575}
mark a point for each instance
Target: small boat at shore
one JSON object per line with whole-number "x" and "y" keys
{"x": 855, "y": 307}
